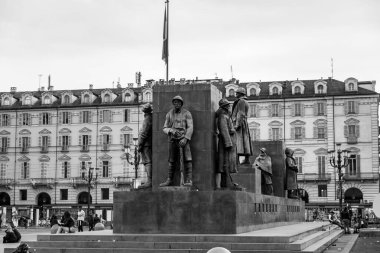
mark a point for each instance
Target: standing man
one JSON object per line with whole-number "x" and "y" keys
{"x": 145, "y": 144}
{"x": 179, "y": 128}
{"x": 81, "y": 215}
{"x": 239, "y": 118}
{"x": 291, "y": 174}
{"x": 90, "y": 221}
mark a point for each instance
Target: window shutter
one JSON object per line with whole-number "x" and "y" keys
{"x": 29, "y": 142}
{"x": 111, "y": 116}
{"x": 122, "y": 139}
{"x": 270, "y": 134}
{"x": 29, "y": 119}
{"x": 346, "y": 107}
{"x": 257, "y": 134}
{"x": 8, "y": 142}
{"x": 293, "y": 110}
{"x": 81, "y": 117}
{"x": 303, "y": 133}
{"x": 346, "y": 131}
{"x": 63, "y": 169}
{"x": 50, "y": 119}
{"x": 315, "y": 132}
{"x": 302, "y": 110}
{"x": 68, "y": 169}
{"x": 27, "y": 170}
{"x": 270, "y": 112}
{"x": 110, "y": 139}
{"x": 69, "y": 117}
{"x": 89, "y": 117}
{"x": 80, "y": 140}
{"x": 292, "y": 133}
{"x": 49, "y": 141}
{"x": 315, "y": 109}
{"x": 356, "y": 107}
{"x": 89, "y": 139}
{"x": 20, "y": 141}
{"x": 60, "y": 141}
{"x": 325, "y": 131}
{"x": 358, "y": 164}
{"x": 40, "y": 118}
{"x": 257, "y": 110}
{"x": 100, "y": 139}
{"x": 40, "y": 141}
{"x": 60, "y": 117}
{"x": 22, "y": 170}
{"x": 357, "y": 131}
{"x": 324, "y": 108}
{"x": 69, "y": 140}
{"x": 20, "y": 119}
{"x": 101, "y": 116}
{"x": 281, "y": 110}
{"x": 109, "y": 168}
{"x": 280, "y": 133}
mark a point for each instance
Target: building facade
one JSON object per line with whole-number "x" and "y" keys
{"x": 50, "y": 140}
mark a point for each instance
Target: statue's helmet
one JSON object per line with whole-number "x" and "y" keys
{"x": 178, "y": 97}
{"x": 241, "y": 90}
{"x": 223, "y": 102}
{"x": 264, "y": 150}
{"x": 147, "y": 108}
{"x": 288, "y": 151}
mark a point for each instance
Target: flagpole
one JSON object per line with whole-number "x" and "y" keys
{"x": 167, "y": 32}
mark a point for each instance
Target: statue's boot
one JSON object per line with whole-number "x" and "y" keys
{"x": 169, "y": 180}
{"x": 188, "y": 174}
{"x": 148, "y": 184}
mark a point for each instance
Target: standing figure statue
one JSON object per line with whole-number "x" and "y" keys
{"x": 179, "y": 128}
{"x": 145, "y": 144}
{"x": 239, "y": 119}
{"x": 264, "y": 163}
{"x": 227, "y": 162}
{"x": 291, "y": 174}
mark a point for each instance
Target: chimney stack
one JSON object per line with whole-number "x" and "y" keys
{"x": 13, "y": 89}
{"x": 91, "y": 86}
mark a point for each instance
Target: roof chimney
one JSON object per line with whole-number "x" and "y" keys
{"x": 91, "y": 86}
{"x": 130, "y": 85}
{"x": 51, "y": 87}
{"x": 42, "y": 88}
{"x": 13, "y": 89}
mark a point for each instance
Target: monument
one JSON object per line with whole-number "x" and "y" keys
{"x": 197, "y": 208}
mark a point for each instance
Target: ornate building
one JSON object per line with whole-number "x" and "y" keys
{"x": 49, "y": 139}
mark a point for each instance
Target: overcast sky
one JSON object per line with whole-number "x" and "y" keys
{"x": 80, "y": 42}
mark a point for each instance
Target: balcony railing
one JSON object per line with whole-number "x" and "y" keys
{"x": 42, "y": 182}
{"x": 105, "y": 147}
{"x": 4, "y": 150}
{"x": 352, "y": 140}
{"x": 65, "y": 148}
{"x": 314, "y": 177}
{"x": 120, "y": 181}
{"x": 85, "y": 148}
{"x": 79, "y": 182}
{"x": 6, "y": 183}
{"x": 24, "y": 149}
{"x": 44, "y": 149}
{"x": 361, "y": 177}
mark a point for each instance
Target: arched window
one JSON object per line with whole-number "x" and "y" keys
{"x": 297, "y": 90}
{"x": 275, "y": 91}
{"x": 320, "y": 89}
{"x": 351, "y": 87}
{"x": 28, "y": 101}
{"x": 231, "y": 93}
{"x": 6, "y": 101}
{"x": 107, "y": 98}
{"x": 148, "y": 96}
{"x": 127, "y": 97}
{"x": 252, "y": 92}
{"x": 66, "y": 99}
{"x": 86, "y": 98}
{"x": 47, "y": 100}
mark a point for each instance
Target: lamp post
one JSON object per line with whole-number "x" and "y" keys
{"x": 339, "y": 162}
{"x": 90, "y": 178}
{"x": 134, "y": 159}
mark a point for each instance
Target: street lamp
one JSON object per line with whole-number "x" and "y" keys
{"x": 339, "y": 164}
{"x": 90, "y": 178}
{"x": 134, "y": 159}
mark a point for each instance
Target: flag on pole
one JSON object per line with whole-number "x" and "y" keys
{"x": 165, "y": 49}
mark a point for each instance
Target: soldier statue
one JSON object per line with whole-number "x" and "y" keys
{"x": 291, "y": 174}
{"x": 264, "y": 163}
{"x": 145, "y": 144}
{"x": 239, "y": 119}
{"x": 179, "y": 128}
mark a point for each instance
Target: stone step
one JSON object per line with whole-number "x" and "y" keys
{"x": 322, "y": 244}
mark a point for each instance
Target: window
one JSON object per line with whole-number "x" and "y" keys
{"x": 231, "y": 93}
{"x": 275, "y": 110}
{"x": 6, "y": 101}
{"x": 64, "y": 194}
{"x": 351, "y": 107}
{"x": 254, "y": 134}
{"x": 299, "y": 163}
{"x": 3, "y": 170}
{"x": 353, "y": 165}
{"x": 275, "y": 134}
{"x": 28, "y": 101}
{"x": 252, "y": 110}
{"x": 107, "y": 98}
{"x": 65, "y": 142}
{"x": 24, "y": 170}
{"x": 65, "y": 169}
{"x": 45, "y": 118}
{"x": 86, "y": 99}
{"x": 252, "y": 92}
{"x": 321, "y": 133}
{"x": 66, "y": 99}
{"x": 65, "y": 118}
{"x": 106, "y": 141}
{"x": 83, "y": 166}
{"x": 351, "y": 87}
{"x": 5, "y": 120}
{"x": 320, "y": 109}
{"x": 23, "y": 194}
{"x": 25, "y": 119}
{"x": 351, "y": 131}
{"x": 85, "y": 117}
{"x": 105, "y": 193}
{"x": 85, "y": 142}
{"x": 126, "y": 139}
{"x": 297, "y": 90}
{"x": 44, "y": 167}
{"x": 148, "y": 96}
{"x": 47, "y": 100}
{"x": 322, "y": 190}
{"x": 320, "y": 89}
{"x": 25, "y": 143}
{"x": 297, "y": 110}
{"x": 298, "y": 133}
{"x": 127, "y": 115}
{"x": 105, "y": 169}
{"x": 275, "y": 91}
{"x": 107, "y": 116}
{"x": 44, "y": 143}
{"x": 4, "y": 144}
{"x": 321, "y": 165}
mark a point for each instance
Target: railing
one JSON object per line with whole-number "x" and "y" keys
{"x": 314, "y": 177}
{"x": 119, "y": 181}
{"x": 65, "y": 148}
{"x": 79, "y": 182}
{"x": 105, "y": 147}
{"x": 362, "y": 176}
{"x": 352, "y": 140}
{"x": 44, "y": 149}
{"x": 84, "y": 148}
{"x": 42, "y": 182}
{"x": 6, "y": 183}
{"x": 24, "y": 149}
{"x": 4, "y": 150}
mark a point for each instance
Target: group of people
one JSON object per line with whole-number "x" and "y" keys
{"x": 348, "y": 219}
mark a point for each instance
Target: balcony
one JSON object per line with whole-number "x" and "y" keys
{"x": 42, "y": 182}
{"x": 24, "y": 149}
{"x": 3, "y": 150}
{"x": 6, "y": 183}
{"x": 65, "y": 148}
{"x": 44, "y": 149}
{"x": 362, "y": 177}
{"x": 105, "y": 147}
{"x": 79, "y": 182}
{"x": 85, "y": 148}
{"x": 314, "y": 177}
{"x": 120, "y": 181}
{"x": 352, "y": 140}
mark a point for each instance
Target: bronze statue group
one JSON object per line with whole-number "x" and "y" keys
{"x": 234, "y": 141}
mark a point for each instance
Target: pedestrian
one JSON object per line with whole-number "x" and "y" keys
{"x": 53, "y": 220}
{"x": 90, "y": 219}
{"x": 81, "y": 215}
{"x": 345, "y": 216}
{"x": 96, "y": 219}
{"x": 67, "y": 224}
{"x": 11, "y": 234}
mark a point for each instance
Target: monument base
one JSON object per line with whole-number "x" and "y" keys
{"x": 201, "y": 212}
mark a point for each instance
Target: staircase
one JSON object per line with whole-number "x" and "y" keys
{"x": 302, "y": 237}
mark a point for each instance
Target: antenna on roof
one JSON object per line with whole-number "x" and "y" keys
{"x": 232, "y": 73}
{"x": 332, "y": 67}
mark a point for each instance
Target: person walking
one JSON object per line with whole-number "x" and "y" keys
{"x": 81, "y": 215}
{"x": 345, "y": 216}
{"x": 90, "y": 220}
